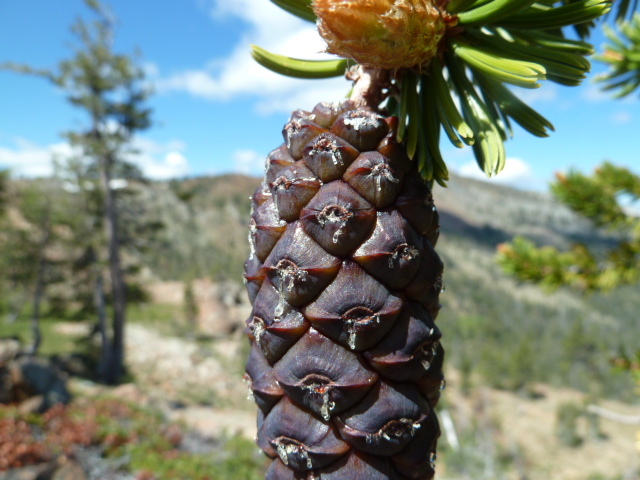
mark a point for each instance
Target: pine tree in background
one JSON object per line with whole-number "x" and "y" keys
{"x": 596, "y": 198}
{"x": 109, "y": 88}
{"x": 346, "y": 360}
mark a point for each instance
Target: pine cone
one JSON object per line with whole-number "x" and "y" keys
{"x": 346, "y": 361}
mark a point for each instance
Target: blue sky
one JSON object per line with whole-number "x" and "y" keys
{"x": 216, "y": 111}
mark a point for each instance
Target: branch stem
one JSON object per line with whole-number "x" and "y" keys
{"x": 370, "y": 86}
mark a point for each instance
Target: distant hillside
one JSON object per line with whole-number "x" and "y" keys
{"x": 206, "y": 221}
{"x": 205, "y": 232}
{"x": 489, "y": 213}
{"x": 496, "y": 330}
{"x": 510, "y": 334}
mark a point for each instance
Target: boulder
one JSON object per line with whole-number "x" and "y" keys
{"x": 28, "y": 377}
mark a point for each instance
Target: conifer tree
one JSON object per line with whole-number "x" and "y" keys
{"x": 108, "y": 88}
{"x": 346, "y": 360}
{"x": 36, "y": 206}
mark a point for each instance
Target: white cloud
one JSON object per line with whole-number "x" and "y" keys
{"x": 156, "y": 160}
{"x": 248, "y": 162}
{"x": 28, "y": 159}
{"x": 171, "y": 165}
{"x": 517, "y": 173}
{"x": 621, "y": 117}
{"x": 160, "y": 161}
{"x": 239, "y": 75}
{"x": 258, "y": 13}
{"x": 594, "y": 93}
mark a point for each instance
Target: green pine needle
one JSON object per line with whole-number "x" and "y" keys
{"x": 502, "y": 42}
{"x": 299, "y": 8}
{"x": 622, "y": 54}
{"x": 293, "y": 67}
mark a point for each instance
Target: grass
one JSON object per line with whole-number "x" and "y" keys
{"x": 53, "y": 341}
{"x": 237, "y": 458}
{"x": 164, "y": 318}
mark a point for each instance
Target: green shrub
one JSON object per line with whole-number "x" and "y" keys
{"x": 567, "y": 416}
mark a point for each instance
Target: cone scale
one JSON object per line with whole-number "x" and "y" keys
{"x": 346, "y": 361}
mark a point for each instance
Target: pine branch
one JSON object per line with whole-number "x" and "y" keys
{"x": 597, "y": 198}
{"x": 479, "y": 47}
{"x": 622, "y": 54}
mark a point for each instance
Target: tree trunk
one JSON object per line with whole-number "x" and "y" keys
{"x": 115, "y": 368}
{"x": 101, "y": 327}
{"x": 39, "y": 287}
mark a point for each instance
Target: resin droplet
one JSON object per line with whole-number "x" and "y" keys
{"x": 290, "y": 273}
{"x": 252, "y": 242}
{"x": 352, "y": 339}
{"x": 393, "y": 430}
{"x": 282, "y": 303}
{"x": 403, "y": 252}
{"x": 380, "y": 171}
{"x": 321, "y": 392}
{"x": 356, "y": 317}
{"x": 257, "y": 328}
{"x": 288, "y": 446}
{"x": 327, "y": 406}
{"x": 334, "y": 214}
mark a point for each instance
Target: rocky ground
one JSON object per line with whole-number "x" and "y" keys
{"x": 199, "y": 384}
